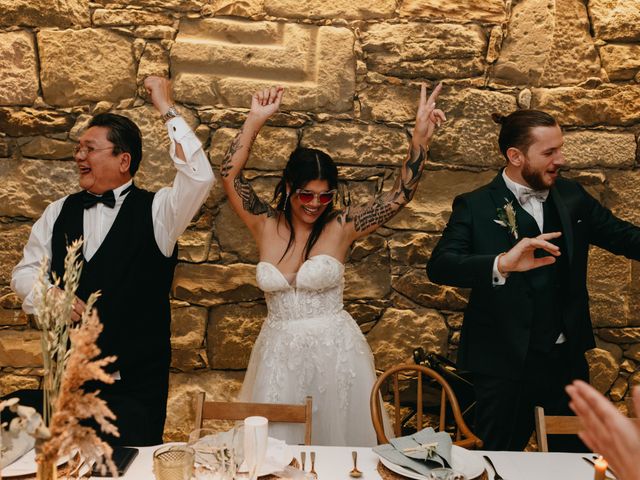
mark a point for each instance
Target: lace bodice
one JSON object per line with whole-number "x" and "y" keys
{"x": 317, "y": 292}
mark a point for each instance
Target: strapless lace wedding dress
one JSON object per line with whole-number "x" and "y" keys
{"x": 309, "y": 345}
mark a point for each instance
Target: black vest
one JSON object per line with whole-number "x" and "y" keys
{"x": 134, "y": 278}
{"x": 547, "y": 283}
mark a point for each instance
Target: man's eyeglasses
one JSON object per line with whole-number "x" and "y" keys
{"x": 307, "y": 196}
{"x": 84, "y": 152}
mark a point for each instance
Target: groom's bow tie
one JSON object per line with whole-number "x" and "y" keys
{"x": 540, "y": 195}
{"x": 107, "y": 198}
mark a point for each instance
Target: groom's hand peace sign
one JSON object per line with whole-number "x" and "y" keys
{"x": 428, "y": 117}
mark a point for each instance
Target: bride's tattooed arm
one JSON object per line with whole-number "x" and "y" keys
{"x": 364, "y": 219}
{"x": 385, "y": 205}
{"x": 242, "y": 197}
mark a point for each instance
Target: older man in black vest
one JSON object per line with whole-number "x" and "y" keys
{"x": 521, "y": 244}
{"x": 129, "y": 254}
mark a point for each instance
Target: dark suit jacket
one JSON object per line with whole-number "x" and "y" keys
{"x": 497, "y": 323}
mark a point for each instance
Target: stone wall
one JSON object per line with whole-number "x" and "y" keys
{"x": 352, "y": 70}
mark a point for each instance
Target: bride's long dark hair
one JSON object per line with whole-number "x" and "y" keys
{"x": 305, "y": 165}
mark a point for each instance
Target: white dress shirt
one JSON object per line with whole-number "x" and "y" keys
{"x": 172, "y": 210}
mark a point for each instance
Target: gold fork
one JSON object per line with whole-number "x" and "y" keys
{"x": 313, "y": 465}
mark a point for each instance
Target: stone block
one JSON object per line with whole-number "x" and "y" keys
{"x": 431, "y": 205}
{"x": 209, "y": 285}
{"x": 615, "y": 19}
{"x": 589, "y": 149}
{"x": 73, "y": 74}
{"x": 12, "y": 238}
{"x": 175, "y": 5}
{"x": 193, "y": 246}
{"x": 237, "y": 8}
{"x": 154, "y": 61}
{"x": 47, "y": 149}
{"x": 160, "y": 32}
{"x": 603, "y": 369}
{"x": 18, "y": 68}
{"x": 48, "y": 181}
{"x": 413, "y": 249}
{"x": 220, "y": 386}
{"x": 232, "y": 331}
{"x": 622, "y": 195}
{"x": 10, "y": 383}
{"x": 342, "y": 9}
{"x": 224, "y": 61}
{"x": 398, "y": 332}
{"x": 270, "y": 150}
{"x": 233, "y": 234}
{"x": 44, "y": 13}
{"x": 607, "y": 105}
{"x": 547, "y": 44}
{"x": 608, "y": 280}
{"x": 620, "y": 335}
{"x": 189, "y": 360}
{"x": 12, "y": 317}
{"x": 29, "y": 121}
{"x": 416, "y": 286}
{"x": 20, "y": 349}
{"x": 369, "y": 278}
{"x": 622, "y": 62}
{"x": 357, "y": 144}
{"x": 365, "y": 312}
{"x": 618, "y": 389}
{"x": 418, "y": 50}
{"x": 188, "y": 327}
{"x": 389, "y": 103}
{"x": 469, "y": 136}
{"x": 366, "y": 246}
{"x": 120, "y": 17}
{"x": 485, "y": 11}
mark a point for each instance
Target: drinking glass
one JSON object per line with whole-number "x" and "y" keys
{"x": 173, "y": 462}
{"x": 214, "y": 454}
{"x": 250, "y": 442}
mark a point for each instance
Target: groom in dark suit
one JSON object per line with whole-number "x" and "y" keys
{"x": 521, "y": 244}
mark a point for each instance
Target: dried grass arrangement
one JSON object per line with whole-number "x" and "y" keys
{"x": 70, "y": 360}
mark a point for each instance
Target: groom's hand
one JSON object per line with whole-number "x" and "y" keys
{"x": 521, "y": 257}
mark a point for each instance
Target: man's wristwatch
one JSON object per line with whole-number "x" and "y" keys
{"x": 170, "y": 113}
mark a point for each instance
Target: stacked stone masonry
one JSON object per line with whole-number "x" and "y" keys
{"x": 352, "y": 71}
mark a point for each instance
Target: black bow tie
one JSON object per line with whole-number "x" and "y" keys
{"x": 89, "y": 199}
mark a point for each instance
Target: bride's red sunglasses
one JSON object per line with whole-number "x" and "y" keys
{"x": 307, "y": 196}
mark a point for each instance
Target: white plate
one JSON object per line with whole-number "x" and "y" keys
{"x": 25, "y": 465}
{"x": 463, "y": 460}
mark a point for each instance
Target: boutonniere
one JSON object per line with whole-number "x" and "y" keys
{"x": 507, "y": 218}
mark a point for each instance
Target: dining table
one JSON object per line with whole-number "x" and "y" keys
{"x": 335, "y": 463}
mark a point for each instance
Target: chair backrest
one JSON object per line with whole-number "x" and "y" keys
{"x": 274, "y": 412}
{"x": 557, "y": 425}
{"x": 408, "y": 372}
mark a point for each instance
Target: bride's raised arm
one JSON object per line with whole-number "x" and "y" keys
{"x": 364, "y": 219}
{"x": 250, "y": 208}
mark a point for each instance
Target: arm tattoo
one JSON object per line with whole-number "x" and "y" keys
{"x": 385, "y": 206}
{"x": 225, "y": 166}
{"x": 250, "y": 200}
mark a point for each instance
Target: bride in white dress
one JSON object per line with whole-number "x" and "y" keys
{"x": 309, "y": 345}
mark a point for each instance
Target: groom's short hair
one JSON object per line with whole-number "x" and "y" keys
{"x": 516, "y": 128}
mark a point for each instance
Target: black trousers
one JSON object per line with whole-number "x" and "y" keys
{"x": 140, "y": 414}
{"x": 505, "y": 407}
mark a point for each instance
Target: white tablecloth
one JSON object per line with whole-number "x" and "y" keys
{"x": 334, "y": 463}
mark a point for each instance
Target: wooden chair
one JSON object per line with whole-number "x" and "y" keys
{"x": 464, "y": 437}
{"x": 557, "y": 425}
{"x": 274, "y": 412}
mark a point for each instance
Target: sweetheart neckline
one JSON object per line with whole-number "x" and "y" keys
{"x": 302, "y": 265}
